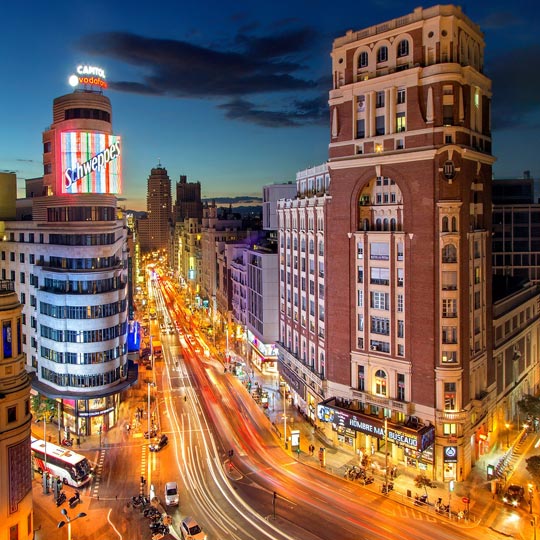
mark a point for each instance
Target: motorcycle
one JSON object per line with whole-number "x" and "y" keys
{"x": 73, "y": 501}
{"x": 441, "y": 508}
{"x": 420, "y": 500}
{"x": 61, "y": 499}
{"x": 368, "y": 480}
{"x": 67, "y": 442}
{"x": 386, "y": 488}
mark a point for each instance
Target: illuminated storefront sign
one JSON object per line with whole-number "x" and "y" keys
{"x": 342, "y": 419}
{"x": 88, "y": 76}
{"x": 91, "y": 163}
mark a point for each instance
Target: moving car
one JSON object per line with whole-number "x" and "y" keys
{"x": 513, "y": 495}
{"x": 191, "y": 530}
{"x": 158, "y": 443}
{"x": 171, "y": 494}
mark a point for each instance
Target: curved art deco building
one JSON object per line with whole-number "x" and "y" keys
{"x": 15, "y": 418}
{"x": 70, "y": 264}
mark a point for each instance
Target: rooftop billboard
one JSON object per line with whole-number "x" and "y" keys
{"x": 91, "y": 163}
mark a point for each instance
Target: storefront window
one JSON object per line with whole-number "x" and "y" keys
{"x": 380, "y": 383}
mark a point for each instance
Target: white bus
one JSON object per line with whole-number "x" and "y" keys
{"x": 72, "y": 468}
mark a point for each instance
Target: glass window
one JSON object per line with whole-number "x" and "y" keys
{"x": 380, "y": 383}
{"x": 403, "y": 48}
{"x": 401, "y": 95}
{"x": 382, "y": 54}
{"x": 363, "y": 59}
{"x": 361, "y": 378}
{"x": 400, "y": 122}
{"x": 379, "y": 125}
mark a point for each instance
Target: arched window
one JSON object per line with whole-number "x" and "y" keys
{"x": 378, "y": 225}
{"x": 445, "y": 224}
{"x": 365, "y": 225}
{"x": 403, "y": 48}
{"x": 382, "y": 54}
{"x": 385, "y": 225}
{"x": 295, "y": 243}
{"x": 454, "y": 224}
{"x": 311, "y": 246}
{"x": 393, "y": 224}
{"x": 380, "y": 382}
{"x": 449, "y": 254}
{"x": 363, "y": 59}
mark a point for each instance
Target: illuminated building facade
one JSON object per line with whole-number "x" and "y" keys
{"x": 407, "y": 246}
{"x": 69, "y": 265}
{"x": 16, "y": 512}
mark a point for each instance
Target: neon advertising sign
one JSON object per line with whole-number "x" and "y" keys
{"x": 91, "y": 162}
{"x": 88, "y": 76}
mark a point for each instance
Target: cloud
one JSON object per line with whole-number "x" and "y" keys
{"x": 251, "y": 65}
{"x": 313, "y": 111}
{"x": 516, "y": 100}
{"x": 496, "y": 20}
{"x": 182, "y": 69}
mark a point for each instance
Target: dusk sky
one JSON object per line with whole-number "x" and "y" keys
{"x": 233, "y": 95}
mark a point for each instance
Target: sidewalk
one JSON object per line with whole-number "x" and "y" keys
{"x": 471, "y": 500}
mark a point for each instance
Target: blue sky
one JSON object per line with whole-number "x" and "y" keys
{"x": 232, "y": 94}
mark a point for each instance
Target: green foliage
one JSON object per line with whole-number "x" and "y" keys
{"x": 529, "y": 405}
{"x": 533, "y": 467}
{"x": 43, "y": 408}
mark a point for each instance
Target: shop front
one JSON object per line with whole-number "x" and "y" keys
{"x": 262, "y": 355}
{"x": 364, "y": 434}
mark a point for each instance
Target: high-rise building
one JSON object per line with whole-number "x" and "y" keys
{"x": 158, "y": 206}
{"x": 15, "y": 460}
{"x": 407, "y": 228}
{"x": 69, "y": 265}
{"x": 188, "y": 200}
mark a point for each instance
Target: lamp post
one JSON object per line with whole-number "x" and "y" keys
{"x": 530, "y": 498}
{"x": 69, "y": 521}
{"x": 507, "y": 425}
{"x": 386, "y": 455}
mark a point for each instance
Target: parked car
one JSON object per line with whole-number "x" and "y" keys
{"x": 191, "y": 530}
{"x": 158, "y": 443}
{"x": 513, "y": 495}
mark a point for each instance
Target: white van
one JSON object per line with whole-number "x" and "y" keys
{"x": 171, "y": 494}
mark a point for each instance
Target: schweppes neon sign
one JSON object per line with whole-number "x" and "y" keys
{"x": 97, "y": 163}
{"x": 91, "y": 163}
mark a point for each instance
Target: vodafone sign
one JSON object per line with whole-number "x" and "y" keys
{"x": 88, "y": 76}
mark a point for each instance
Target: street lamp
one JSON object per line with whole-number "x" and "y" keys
{"x": 69, "y": 521}
{"x": 530, "y": 498}
{"x": 507, "y": 425}
{"x": 386, "y": 454}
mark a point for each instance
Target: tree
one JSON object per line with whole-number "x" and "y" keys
{"x": 529, "y": 406}
{"x": 422, "y": 480}
{"x": 43, "y": 408}
{"x": 533, "y": 467}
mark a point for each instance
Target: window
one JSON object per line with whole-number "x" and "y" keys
{"x": 449, "y": 357}
{"x": 363, "y": 59}
{"x": 360, "y": 298}
{"x": 450, "y": 396}
{"x": 360, "y": 250}
{"x": 449, "y": 281}
{"x": 379, "y": 276}
{"x": 448, "y": 115}
{"x": 400, "y": 303}
{"x": 403, "y": 48}
{"x": 449, "y": 308}
{"x": 360, "y": 323}
{"x": 380, "y": 325}
{"x": 12, "y": 256}
{"x": 449, "y": 254}
{"x": 361, "y": 378}
{"x": 380, "y": 300}
{"x": 401, "y": 387}
{"x": 449, "y": 429}
{"x": 400, "y": 329}
{"x": 400, "y": 278}
{"x": 382, "y": 54}
{"x": 379, "y": 125}
{"x": 360, "y": 128}
{"x": 449, "y": 334}
{"x": 401, "y": 96}
{"x": 400, "y": 122}
{"x": 379, "y": 251}
{"x": 379, "y": 102}
{"x": 12, "y": 414}
{"x": 380, "y": 382}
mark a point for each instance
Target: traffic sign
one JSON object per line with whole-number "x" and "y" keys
{"x": 465, "y": 500}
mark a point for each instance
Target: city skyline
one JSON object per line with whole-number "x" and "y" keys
{"x": 261, "y": 120}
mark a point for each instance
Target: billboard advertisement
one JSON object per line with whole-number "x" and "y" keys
{"x": 91, "y": 163}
